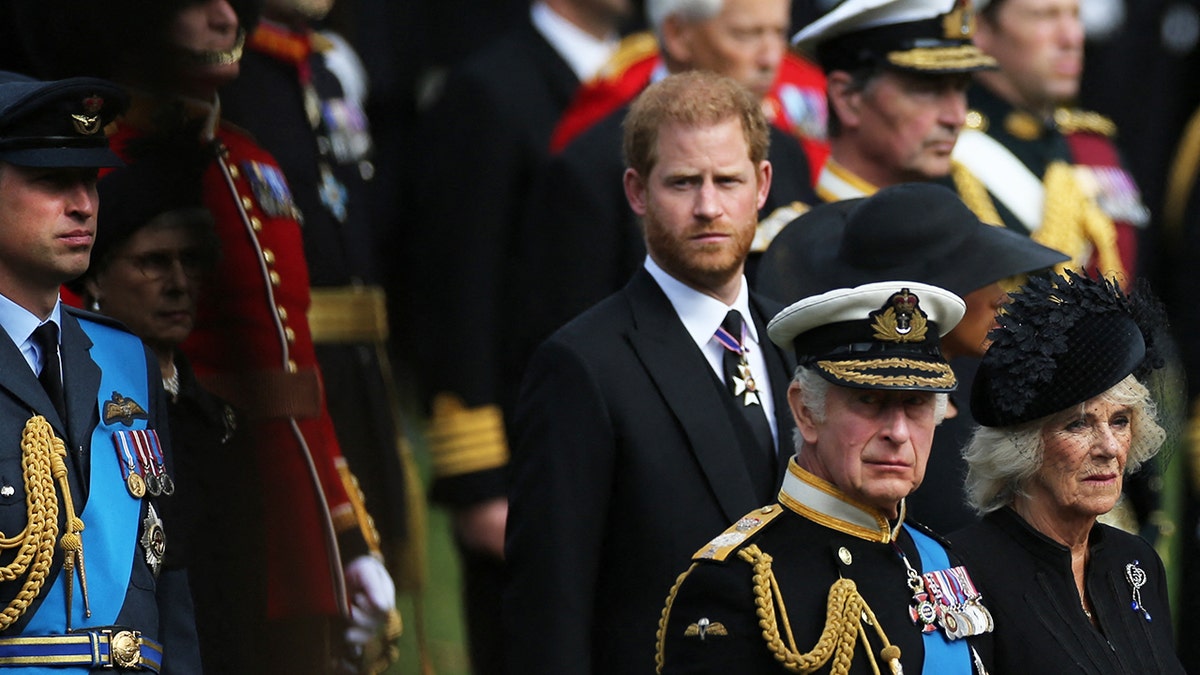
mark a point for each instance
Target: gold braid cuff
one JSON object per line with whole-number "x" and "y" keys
{"x": 846, "y": 611}
{"x": 465, "y": 440}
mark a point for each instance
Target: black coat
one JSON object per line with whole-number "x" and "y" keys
{"x": 1027, "y": 582}
{"x": 481, "y": 144}
{"x": 627, "y": 460}
{"x": 229, "y": 573}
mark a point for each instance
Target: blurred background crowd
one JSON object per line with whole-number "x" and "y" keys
{"x": 452, "y": 167}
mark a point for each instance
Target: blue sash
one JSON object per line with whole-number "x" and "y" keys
{"x": 112, "y": 517}
{"x": 942, "y": 655}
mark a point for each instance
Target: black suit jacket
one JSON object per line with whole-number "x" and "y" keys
{"x": 160, "y": 608}
{"x": 627, "y": 460}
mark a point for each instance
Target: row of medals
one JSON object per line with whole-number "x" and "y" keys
{"x": 957, "y": 619}
{"x": 156, "y": 482}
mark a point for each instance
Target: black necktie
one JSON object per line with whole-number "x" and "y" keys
{"x": 742, "y": 385}
{"x": 46, "y": 336}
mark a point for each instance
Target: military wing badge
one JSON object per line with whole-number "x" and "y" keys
{"x": 705, "y": 628}
{"x": 123, "y": 410}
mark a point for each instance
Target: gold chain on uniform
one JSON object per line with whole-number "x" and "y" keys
{"x": 846, "y": 610}
{"x": 42, "y": 462}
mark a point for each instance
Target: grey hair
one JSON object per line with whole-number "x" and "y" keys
{"x": 1002, "y": 460}
{"x": 814, "y": 393}
{"x": 657, "y": 11}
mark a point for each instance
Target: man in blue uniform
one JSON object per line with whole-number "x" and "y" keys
{"x": 85, "y": 463}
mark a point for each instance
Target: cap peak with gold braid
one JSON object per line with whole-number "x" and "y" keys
{"x": 882, "y": 335}
{"x": 923, "y": 36}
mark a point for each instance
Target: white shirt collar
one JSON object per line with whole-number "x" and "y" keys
{"x": 20, "y": 323}
{"x": 582, "y": 52}
{"x": 701, "y": 314}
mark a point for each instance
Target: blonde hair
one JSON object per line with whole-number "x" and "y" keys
{"x": 1002, "y": 460}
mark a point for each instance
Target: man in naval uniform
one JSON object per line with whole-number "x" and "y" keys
{"x": 1045, "y": 169}
{"x": 833, "y": 576}
{"x": 897, "y": 73}
{"x": 86, "y": 464}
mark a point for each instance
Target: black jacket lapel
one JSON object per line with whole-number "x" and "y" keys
{"x": 685, "y": 380}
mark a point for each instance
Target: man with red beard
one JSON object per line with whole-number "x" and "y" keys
{"x": 656, "y": 414}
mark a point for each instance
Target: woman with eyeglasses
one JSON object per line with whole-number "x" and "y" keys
{"x": 154, "y": 246}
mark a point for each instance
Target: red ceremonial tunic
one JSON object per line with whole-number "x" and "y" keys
{"x": 252, "y": 346}
{"x": 796, "y": 103}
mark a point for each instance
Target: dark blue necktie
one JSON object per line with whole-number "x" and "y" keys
{"x": 46, "y": 336}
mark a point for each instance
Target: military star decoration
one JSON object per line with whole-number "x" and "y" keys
{"x": 743, "y": 385}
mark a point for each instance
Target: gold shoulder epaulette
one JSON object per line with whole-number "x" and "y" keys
{"x": 1070, "y": 121}
{"x": 633, "y": 48}
{"x": 976, "y": 121}
{"x": 730, "y": 540}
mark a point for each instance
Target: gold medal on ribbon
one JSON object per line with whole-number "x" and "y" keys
{"x": 135, "y": 485}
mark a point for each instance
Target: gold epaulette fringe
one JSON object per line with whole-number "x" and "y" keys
{"x": 1071, "y": 121}
{"x": 1073, "y": 224}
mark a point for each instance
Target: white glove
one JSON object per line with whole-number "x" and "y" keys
{"x": 372, "y": 598}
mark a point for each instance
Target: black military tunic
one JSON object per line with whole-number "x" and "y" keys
{"x": 759, "y": 595}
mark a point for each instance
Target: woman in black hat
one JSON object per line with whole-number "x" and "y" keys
{"x": 154, "y": 244}
{"x": 1066, "y": 417}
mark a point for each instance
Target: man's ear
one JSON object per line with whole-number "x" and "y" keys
{"x": 676, "y": 36}
{"x": 844, "y": 99}
{"x": 635, "y": 191}
{"x": 764, "y": 182}
{"x": 802, "y": 415}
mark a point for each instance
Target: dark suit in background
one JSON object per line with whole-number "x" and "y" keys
{"x": 627, "y": 460}
{"x": 479, "y": 145}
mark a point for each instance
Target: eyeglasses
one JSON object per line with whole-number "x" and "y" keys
{"x": 157, "y": 265}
